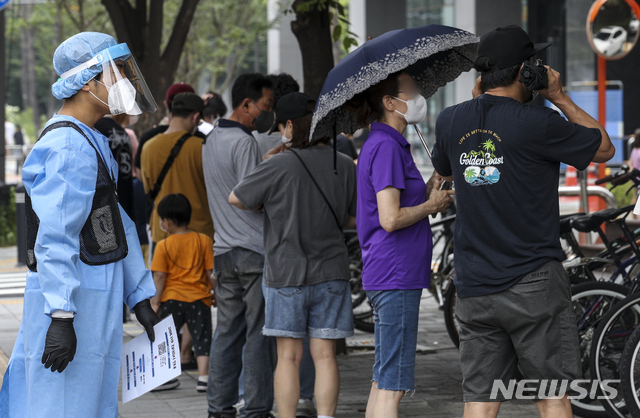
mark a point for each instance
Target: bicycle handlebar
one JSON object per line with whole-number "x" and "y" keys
{"x": 624, "y": 170}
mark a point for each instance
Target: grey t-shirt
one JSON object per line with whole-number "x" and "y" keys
{"x": 302, "y": 241}
{"x": 266, "y": 142}
{"x": 229, "y": 154}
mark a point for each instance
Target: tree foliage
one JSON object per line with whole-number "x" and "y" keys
{"x": 313, "y": 30}
{"x": 222, "y": 38}
{"x": 186, "y": 40}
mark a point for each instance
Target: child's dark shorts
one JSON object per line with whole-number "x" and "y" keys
{"x": 197, "y": 316}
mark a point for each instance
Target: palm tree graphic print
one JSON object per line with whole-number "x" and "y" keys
{"x": 480, "y": 170}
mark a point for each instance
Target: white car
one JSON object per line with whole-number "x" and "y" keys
{"x": 610, "y": 40}
{"x": 634, "y": 24}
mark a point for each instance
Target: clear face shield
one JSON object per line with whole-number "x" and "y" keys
{"x": 128, "y": 92}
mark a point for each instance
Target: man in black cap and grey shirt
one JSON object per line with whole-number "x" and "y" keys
{"x": 514, "y": 300}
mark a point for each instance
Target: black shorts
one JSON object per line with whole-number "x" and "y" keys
{"x": 197, "y": 316}
{"x": 530, "y": 326}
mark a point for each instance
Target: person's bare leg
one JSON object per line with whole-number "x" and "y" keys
{"x": 287, "y": 376}
{"x": 371, "y": 403}
{"x": 555, "y": 408}
{"x": 186, "y": 345}
{"x": 387, "y": 403}
{"x": 203, "y": 365}
{"x": 481, "y": 409}
{"x": 327, "y": 386}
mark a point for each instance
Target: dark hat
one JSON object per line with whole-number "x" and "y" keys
{"x": 291, "y": 106}
{"x": 507, "y": 46}
{"x": 187, "y": 101}
{"x": 177, "y": 88}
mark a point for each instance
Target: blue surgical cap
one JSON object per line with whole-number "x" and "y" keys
{"x": 74, "y": 51}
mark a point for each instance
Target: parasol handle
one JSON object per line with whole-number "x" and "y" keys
{"x": 424, "y": 143}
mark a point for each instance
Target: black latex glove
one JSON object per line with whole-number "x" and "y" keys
{"x": 60, "y": 344}
{"x": 147, "y": 317}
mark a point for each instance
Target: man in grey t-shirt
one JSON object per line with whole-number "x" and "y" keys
{"x": 230, "y": 153}
{"x": 298, "y": 252}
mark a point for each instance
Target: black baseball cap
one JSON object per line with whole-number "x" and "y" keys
{"x": 507, "y": 46}
{"x": 187, "y": 101}
{"x": 291, "y": 106}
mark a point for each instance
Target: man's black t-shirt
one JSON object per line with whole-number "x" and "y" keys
{"x": 346, "y": 146}
{"x": 505, "y": 159}
{"x": 120, "y": 145}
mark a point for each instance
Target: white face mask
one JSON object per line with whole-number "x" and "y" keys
{"x": 121, "y": 98}
{"x": 416, "y": 109}
{"x": 161, "y": 228}
{"x": 285, "y": 140}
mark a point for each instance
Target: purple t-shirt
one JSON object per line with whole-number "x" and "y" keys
{"x": 400, "y": 259}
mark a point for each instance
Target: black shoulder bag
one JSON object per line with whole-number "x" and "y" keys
{"x": 151, "y": 196}
{"x": 319, "y": 189}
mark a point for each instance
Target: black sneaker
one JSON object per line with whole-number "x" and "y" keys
{"x": 171, "y": 384}
{"x": 201, "y": 386}
{"x": 192, "y": 365}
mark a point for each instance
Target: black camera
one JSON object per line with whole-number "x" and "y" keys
{"x": 534, "y": 75}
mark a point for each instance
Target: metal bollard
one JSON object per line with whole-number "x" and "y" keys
{"x": 21, "y": 225}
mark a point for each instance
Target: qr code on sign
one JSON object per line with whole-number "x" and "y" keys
{"x": 163, "y": 361}
{"x": 162, "y": 348}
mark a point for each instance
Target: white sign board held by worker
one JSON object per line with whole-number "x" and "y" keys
{"x": 147, "y": 365}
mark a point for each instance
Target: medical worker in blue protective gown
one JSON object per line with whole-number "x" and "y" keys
{"x": 66, "y": 360}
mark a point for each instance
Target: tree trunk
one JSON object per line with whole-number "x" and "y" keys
{"x": 28, "y": 79}
{"x": 142, "y": 30}
{"x": 313, "y": 31}
{"x": 52, "y": 103}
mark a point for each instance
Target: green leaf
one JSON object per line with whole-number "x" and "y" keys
{"x": 337, "y": 31}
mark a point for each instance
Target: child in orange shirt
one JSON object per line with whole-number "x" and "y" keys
{"x": 182, "y": 269}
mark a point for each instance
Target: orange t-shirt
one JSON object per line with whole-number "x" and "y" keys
{"x": 185, "y": 258}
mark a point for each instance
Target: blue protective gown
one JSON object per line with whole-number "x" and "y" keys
{"x": 60, "y": 176}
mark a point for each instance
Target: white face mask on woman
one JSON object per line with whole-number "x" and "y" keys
{"x": 284, "y": 139}
{"x": 416, "y": 109}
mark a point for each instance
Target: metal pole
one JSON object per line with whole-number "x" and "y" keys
{"x": 602, "y": 106}
{"x": 3, "y": 96}
{"x": 584, "y": 199}
{"x": 424, "y": 143}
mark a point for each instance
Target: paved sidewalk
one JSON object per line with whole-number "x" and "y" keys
{"x": 437, "y": 376}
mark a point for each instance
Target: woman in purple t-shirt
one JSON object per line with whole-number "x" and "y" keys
{"x": 394, "y": 233}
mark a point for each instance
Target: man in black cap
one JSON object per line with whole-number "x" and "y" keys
{"x": 514, "y": 300}
{"x": 185, "y": 174}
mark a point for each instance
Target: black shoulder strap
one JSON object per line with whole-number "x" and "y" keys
{"x": 69, "y": 124}
{"x": 319, "y": 189}
{"x": 167, "y": 165}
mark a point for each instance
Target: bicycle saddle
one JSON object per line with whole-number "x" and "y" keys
{"x": 592, "y": 222}
{"x": 565, "y": 221}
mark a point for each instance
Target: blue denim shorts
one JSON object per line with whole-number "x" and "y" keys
{"x": 322, "y": 311}
{"x": 395, "y": 313}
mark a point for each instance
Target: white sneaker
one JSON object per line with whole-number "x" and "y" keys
{"x": 306, "y": 409}
{"x": 238, "y": 406}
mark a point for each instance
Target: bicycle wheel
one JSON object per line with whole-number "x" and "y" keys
{"x": 607, "y": 344}
{"x": 449, "y": 308}
{"x": 591, "y": 301}
{"x": 630, "y": 373}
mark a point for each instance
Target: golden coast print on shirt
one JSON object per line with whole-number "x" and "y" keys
{"x": 479, "y": 164}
